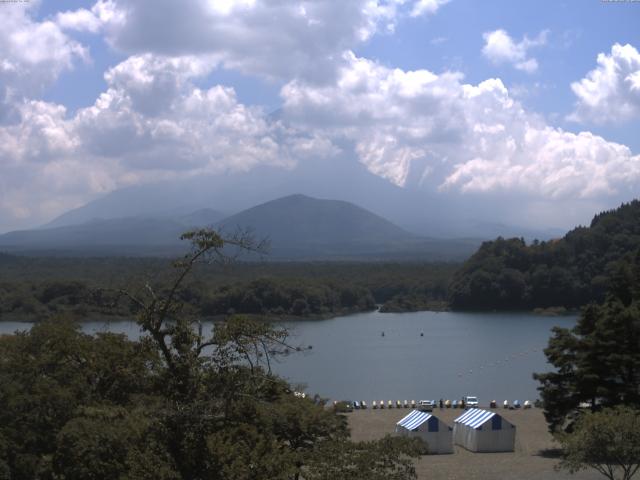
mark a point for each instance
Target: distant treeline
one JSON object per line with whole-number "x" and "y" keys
{"x": 504, "y": 274}
{"x": 89, "y": 288}
{"x": 569, "y": 272}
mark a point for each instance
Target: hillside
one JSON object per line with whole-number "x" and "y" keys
{"x": 297, "y": 224}
{"x": 298, "y": 228}
{"x": 569, "y": 272}
{"x": 304, "y": 228}
{"x": 440, "y": 214}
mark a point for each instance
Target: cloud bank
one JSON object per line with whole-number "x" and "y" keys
{"x": 158, "y": 117}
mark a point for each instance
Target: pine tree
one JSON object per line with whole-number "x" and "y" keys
{"x": 598, "y": 361}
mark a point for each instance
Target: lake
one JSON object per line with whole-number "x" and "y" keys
{"x": 491, "y": 355}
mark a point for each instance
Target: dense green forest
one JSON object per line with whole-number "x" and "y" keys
{"x": 569, "y": 272}
{"x": 179, "y": 403}
{"x": 34, "y": 288}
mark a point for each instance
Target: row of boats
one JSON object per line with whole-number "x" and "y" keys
{"x": 426, "y": 404}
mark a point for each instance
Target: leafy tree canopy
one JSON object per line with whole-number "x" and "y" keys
{"x": 597, "y": 363}
{"x": 180, "y": 403}
{"x": 569, "y": 272}
{"x": 606, "y": 441}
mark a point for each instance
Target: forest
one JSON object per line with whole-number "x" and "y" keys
{"x": 179, "y": 403}
{"x": 508, "y": 274}
{"x": 42, "y": 287}
{"x": 504, "y": 274}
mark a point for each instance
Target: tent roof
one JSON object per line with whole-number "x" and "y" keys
{"x": 475, "y": 417}
{"x": 414, "y": 420}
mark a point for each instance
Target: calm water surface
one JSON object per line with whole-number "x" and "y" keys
{"x": 489, "y": 355}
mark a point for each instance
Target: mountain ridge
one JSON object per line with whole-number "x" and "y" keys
{"x": 299, "y": 227}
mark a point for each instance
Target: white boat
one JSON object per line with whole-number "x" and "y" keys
{"x": 381, "y": 403}
{"x": 406, "y": 404}
{"x": 374, "y": 405}
{"x": 363, "y": 404}
{"x": 390, "y": 404}
{"x": 398, "y": 404}
{"x": 527, "y": 404}
{"x": 413, "y": 404}
{"x": 505, "y": 404}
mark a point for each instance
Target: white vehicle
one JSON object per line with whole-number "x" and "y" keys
{"x": 471, "y": 402}
{"x": 425, "y": 405}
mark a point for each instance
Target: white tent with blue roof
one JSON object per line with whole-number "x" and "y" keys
{"x": 484, "y": 431}
{"x": 437, "y": 434}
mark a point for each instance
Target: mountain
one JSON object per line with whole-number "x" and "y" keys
{"x": 569, "y": 272}
{"x": 426, "y": 212}
{"x": 121, "y": 236}
{"x": 297, "y": 226}
{"x": 204, "y": 217}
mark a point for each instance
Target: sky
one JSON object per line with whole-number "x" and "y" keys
{"x": 530, "y": 103}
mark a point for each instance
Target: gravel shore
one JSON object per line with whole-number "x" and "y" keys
{"x": 533, "y": 457}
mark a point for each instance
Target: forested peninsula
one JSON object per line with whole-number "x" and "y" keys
{"x": 508, "y": 274}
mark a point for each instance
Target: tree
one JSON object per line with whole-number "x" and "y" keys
{"x": 229, "y": 416}
{"x": 607, "y": 441}
{"x": 598, "y": 361}
{"x": 52, "y": 371}
{"x": 180, "y": 403}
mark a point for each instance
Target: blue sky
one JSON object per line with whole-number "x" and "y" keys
{"x": 578, "y": 29}
{"x": 458, "y": 97}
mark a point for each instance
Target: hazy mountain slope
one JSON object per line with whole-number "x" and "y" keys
{"x": 300, "y": 219}
{"x": 99, "y": 236}
{"x": 430, "y": 213}
{"x": 236, "y": 191}
{"x": 205, "y": 217}
{"x": 298, "y": 227}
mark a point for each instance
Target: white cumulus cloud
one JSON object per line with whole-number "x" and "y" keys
{"x": 611, "y": 92}
{"x": 270, "y": 38}
{"x": 151, "y": 123}
{"x": 32, "y": 56}
{"x": 500, "y": 48}
{"x": 406, "y": 125}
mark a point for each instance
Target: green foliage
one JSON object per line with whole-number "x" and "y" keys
{"x": 96, "y": 443}
{"x": 570, "y": 272}
{"x": 321, "y": 289}
{"x": 598, "y": 361}
{"x": 49, "y": 373}
{"x": 296, "y": 298}
{"x": 180, "y": 403}
{"x": 607, "y": 441}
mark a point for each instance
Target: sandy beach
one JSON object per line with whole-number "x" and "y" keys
{"x": 532, "y": 459}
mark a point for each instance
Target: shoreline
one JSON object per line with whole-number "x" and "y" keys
{"x": 542, "y": 312}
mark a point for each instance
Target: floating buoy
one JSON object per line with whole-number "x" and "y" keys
{"x": 421, "y": 334}
{"x": 382, "y": 334}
